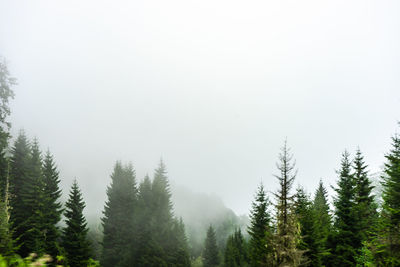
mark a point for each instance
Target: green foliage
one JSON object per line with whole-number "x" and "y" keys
{"x": 260, "y": 230}
{"x": 287, "y": 236}
{"x": 322, "y": 226}
{"x": 391, "y": 206}
{"x": 75, "y": 243}
{"x": 344, "y": 248}
{"x": 365, "y": 258}
{"x": 119, "y": 212}
{"x": 52, "y": 207}
{"x": 305, "y": 215}
{"x": 210, "y": 253}
{"x": 236, "y": 251}
{"x": 364, "y": 202}
{"x": 19, "y": 171}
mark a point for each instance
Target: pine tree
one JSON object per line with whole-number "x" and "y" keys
{"x": 32, "y": 195}
{"x": 162, "y": 216}
{"x": 345, "y": 223}
{"x": 210, "y": 253}
{"x": 52, "y": 205}
{"x": 179, "y": 256}
{"x": 147, "y": 252}
{"x": 321, "y": 227}
{"x": 26, "y": 191}
{"x": 287, "y": 236}
{"x": 75, "y": 243}
{"x": 119, "y": 212}
{"x": 260, "y": 230}
{"x": 19, "y": 171}
{"x": 305, "y": 216}
{"x": 364, "y": 203}
{"x": 236, "y": 251}
{"x": 391, "y": 204}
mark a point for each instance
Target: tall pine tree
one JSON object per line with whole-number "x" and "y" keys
{"x": 321, "y": 227}
{"x": 119, "y": 212}
{"x": 344, "y": 248}
{"x": 236, "y": 251}
{"x": 33, "y": 198}
{"x": 210, "y": 253}
{"x": 287, "y": 236}
{"x": 391, "y": 204}
{"x": 260, "y": 230}
{"x": 305, "y": 216}
{"x": 52, "y": 205}
{"x": 75, "y": 243}
{"x": 364, "y": 203}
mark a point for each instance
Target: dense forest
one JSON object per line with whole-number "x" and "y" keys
{"x": 139, "y": 227}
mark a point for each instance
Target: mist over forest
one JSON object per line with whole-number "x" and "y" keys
{"x": 208, "y": 133}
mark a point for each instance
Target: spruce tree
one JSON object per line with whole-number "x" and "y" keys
{"x": 287, "y": 236}
{"x": 119, "y": 213}
{"x": 146, "y": 250}
{"x": 210, "y": 253}
{"x": 364, "y": 204}
{"x": 75, "y": 243}
{"x": 162, "y": 215}
{"x": 391, "y": 205}
{"x": 19, "y": 172}
{"x": 260, "y": 230}
{"x": 33, "y": 198}
{"x": 305, "y": 216}
{"x": 26, "y": 191}
{"x": 345, "y": 224}
{"x": 52, "y": 205}
{"x": 179, "y": 256}
{"x": 321, "y": 227}
{"x": 236, "y": 251}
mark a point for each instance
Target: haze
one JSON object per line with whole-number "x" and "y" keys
{"x": 212, "y": 87}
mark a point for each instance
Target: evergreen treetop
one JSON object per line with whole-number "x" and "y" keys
{"x": 75, "y": 243}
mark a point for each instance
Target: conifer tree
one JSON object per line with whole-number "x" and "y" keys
{"x": 305, "y": 216}
{"x": 345, "y": 223}
{"x": 391, "y": 204}
{"x": 146, "y": 250}
{"x": 33, "y": 198}
{"x": 52, "y": 205}
{"x": 119, "y": 213}
{"x": 75, "y": 243}
{"x": 260, "y": 230}
{"x": 236, "y": 251}
{"x": 210, "y": 253}
{"x": 162, "y": 216}
{"x": 364, "y": 204}
{"x": 287, "y": 236}
{"x": 19, "y": 177}
{"x": 321, "y": 226}
{"x": 179, "y": 256}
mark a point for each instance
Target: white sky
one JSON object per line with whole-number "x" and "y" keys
{"x": 212, "y": 86}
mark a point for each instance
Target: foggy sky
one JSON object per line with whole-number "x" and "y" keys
{"x": 213, "y": 87}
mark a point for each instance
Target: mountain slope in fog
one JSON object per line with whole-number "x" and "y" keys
{"x": 198, "y": 211}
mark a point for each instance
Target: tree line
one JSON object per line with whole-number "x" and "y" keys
{"x": 140, "y": 228}
{"x": 300, "y": 230}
